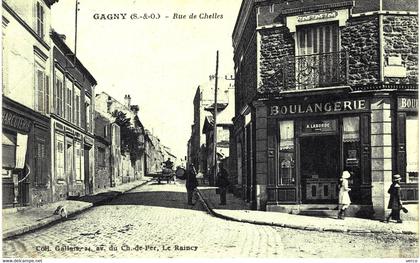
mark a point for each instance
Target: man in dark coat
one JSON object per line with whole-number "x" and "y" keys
{"x": 222, "y": 183}
{"x": 191, "y": 183}
{"x": 395, "y": 203}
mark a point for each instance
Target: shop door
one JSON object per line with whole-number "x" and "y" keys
{"x": 320, "y": 168}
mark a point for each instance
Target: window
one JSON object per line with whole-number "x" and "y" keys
{"x": 351, "y": 146}
{"x": 318, "y": 59}
{"x": 8, "y": 152}
{"x": 69, "y": 99}
{"x": 101, "y": 156}
{"x": 59, "y": 156}
{"x": 39, "y": 19}
{"x": 412, "y": 142}
{"x": 76, "y": 118}
{"x": 88, "y": 114}
{"x": 58, "y": 93}
{"x": 78, "y": 161}
{"x": 318, "y": 39}
{"x": 42, "y": 89}
{"x": 286, "y": 154}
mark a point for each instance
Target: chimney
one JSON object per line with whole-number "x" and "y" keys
{"x": 127, "y": 100}
{"x": 108, "y": 104}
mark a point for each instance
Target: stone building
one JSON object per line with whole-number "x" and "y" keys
{"x": 103, "y": 149}
{"x": 154, "y": 154}
{"x": 72, "y": 125}
{"x": 26, "y": 103}
{"x": 321, "y": 87}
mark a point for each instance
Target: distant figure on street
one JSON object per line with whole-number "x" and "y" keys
{"x": 191, "y": 183}
{"x": 343, "y": 195}
{"x": 168, "y": 164}
{"x": 395, "y": 203}
{"x": 222, "y": 183}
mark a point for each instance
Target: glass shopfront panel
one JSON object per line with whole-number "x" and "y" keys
{"x": 286, "y": 154}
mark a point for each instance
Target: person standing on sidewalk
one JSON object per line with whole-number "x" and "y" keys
{"x": 343, "y": 195}
{"x": 191, "y": 183}
{"x": 395, "y": 203}
{"x": 223, "y": 183}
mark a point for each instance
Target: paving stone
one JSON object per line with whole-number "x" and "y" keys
{"x": 154, "y": 221}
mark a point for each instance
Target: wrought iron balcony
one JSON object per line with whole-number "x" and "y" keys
{"x": 309, "y": 72}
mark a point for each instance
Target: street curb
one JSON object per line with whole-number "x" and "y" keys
{"x": 305, "y": 228}
{"x": 57, "y": 219}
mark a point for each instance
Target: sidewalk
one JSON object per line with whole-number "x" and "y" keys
{"x": 19, "y": 221}
{"x": 238, "y": 210}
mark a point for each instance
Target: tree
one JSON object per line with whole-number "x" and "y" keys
{"x": 129, "y": 135}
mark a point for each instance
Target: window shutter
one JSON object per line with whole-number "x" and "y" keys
{"x": 40, "y": 89}
{"x": 47, "y": 94}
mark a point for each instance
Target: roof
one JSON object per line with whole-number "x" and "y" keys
{"x": 59, "y": 42}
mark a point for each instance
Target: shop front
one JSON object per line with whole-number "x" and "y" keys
{"x": 25, "y": 159}
{"x": 312, "y": 142}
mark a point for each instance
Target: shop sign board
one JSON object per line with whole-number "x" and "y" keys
{"x": 13, "y": 120}
{"x": 319, "y": 107}
{"x": 319, "y": 126}
{"x": 408, "y": 104}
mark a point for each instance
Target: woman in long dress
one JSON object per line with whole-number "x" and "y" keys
{"x": 343, "y": 195}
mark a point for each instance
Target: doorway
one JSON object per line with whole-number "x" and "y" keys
{"x": 319, "y": 168}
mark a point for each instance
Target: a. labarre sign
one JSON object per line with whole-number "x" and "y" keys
{"x": 319, "y": 107}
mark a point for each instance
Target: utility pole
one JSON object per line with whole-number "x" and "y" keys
{"x": 215, "y": 119}
{"x": 75, "y": 31}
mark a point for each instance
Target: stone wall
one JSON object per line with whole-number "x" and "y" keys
{"x": 275, "y": 45}
{"x": 401, "y": 39}
{"x": 361, "y": 39}
{"x": 102, "y": 168}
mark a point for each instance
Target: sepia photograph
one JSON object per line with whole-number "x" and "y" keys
{"x": 210, "y": 129}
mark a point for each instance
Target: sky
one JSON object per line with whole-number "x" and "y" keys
{"x": 159, "y": 62}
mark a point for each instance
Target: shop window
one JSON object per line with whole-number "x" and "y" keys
{"x": 412, "y": 143}
{"x": 59, "y": 156}
{"x": 78, "y": 161}
{"x": 8, "y": 153}
{"x": 286, "y": 154}
{"x": 351, "y": 145}
{"x": 69, "y": 159}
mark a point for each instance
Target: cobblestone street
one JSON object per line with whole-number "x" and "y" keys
{"x": 154, "y": 221}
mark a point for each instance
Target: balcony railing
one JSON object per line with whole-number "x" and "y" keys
{"x": 309, "y": 72}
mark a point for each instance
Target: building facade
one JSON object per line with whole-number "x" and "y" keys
{"x": 323, "y": 87}
{"x": 72, "y": 124}
{"x": 103, "y": 149}
{"x": 125, "y": 166}
{"x": 26, "y": 87}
